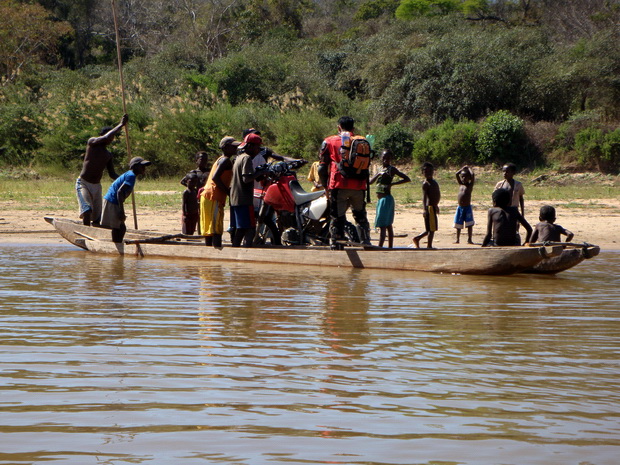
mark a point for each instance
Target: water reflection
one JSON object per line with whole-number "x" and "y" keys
{"x": 110, "y": 360}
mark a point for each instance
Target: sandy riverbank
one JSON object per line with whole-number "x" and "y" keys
{"x": 597, "y": 223}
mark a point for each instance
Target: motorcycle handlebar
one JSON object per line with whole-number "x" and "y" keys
{"x": 276, "y": 169}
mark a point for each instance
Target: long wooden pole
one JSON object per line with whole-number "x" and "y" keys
{"x": 120, "y": 72}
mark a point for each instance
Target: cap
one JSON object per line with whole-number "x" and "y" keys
{"x": 228, "y": 140}
{"x": 138, "y": 161}
{"x": 252, "y": 138}
{"x": 250, "y": 131}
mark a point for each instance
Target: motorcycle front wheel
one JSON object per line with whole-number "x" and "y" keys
{"x": 267, "y": 232}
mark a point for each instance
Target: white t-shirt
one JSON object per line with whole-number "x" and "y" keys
{"x": 517, "y": 192}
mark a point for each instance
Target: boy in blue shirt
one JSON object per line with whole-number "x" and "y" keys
{"x": 113, "y": 216}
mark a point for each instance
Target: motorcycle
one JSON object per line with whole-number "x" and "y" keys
{"x": 288, "y": 214}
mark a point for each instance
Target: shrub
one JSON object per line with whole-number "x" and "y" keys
{"x": 597, "y": 149}
{"x": 178, "y": 132}
{"x": 396, "y": 137}
{"x": 448, "y": 144}
{"x": 501, "y": 138}
{"x": 19, "y": 126}
{"x": 372, "y": 9}
{"x": 586, "y": 142}
{"x": 565, "y": 138}
{"x": 299, "y": 134}
{"x": 611, "y": 151}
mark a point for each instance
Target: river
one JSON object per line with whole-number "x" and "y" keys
{"x": 109, "y": 360}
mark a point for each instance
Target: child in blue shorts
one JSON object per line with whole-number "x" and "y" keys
{"x": 464, "y": 217}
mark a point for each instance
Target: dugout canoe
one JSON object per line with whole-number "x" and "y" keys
{"x": 572, "y": 255}
{"x": 484, "y": 261}
{"x": 479, "y": 261}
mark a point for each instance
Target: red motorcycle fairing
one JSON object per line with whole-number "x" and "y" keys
{"x": 279, "y": 195}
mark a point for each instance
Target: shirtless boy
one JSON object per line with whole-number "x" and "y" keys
{"x": 503, "y": 220}
{"x": 464, "y": 216}
{"x": 547, "y": 230}
{"x": 430, "y": 201}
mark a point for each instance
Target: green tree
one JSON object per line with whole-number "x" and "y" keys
{"x": 27, "y": 35}
{"x": 448, "y": 144}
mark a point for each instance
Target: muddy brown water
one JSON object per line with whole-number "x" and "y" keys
{"x": 107, "y": 360}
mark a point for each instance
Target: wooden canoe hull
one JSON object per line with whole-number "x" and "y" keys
{"x": 480, "y": 261}
{"x": 75, "y": 232}
{"x": 500, "y": 261}
{"x": 569, "y": 258}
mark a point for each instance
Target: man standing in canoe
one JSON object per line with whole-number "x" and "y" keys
{"x": 242, "y": 219}
{"x": 213, "y": 196}
{"x": 113, "y": 216}
{"x": 88, "y": 184}
{"x": 342, "y": 191}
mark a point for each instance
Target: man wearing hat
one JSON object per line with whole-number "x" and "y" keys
{"x": 113, "y": 216}
{"x": 242, "y": 219}
{"x": 263, "y": 156}
{"x": 96, "y": 159}
{"x": 213, "y": 196}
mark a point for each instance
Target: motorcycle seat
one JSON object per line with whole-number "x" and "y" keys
{"x": 301, "y": 196}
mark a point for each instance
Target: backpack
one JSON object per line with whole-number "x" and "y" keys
{"x": 356, "y": 158}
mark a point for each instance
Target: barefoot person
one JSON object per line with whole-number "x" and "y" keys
{"x": 190, "y": 206}
{"x": 213, "y": 196}
{"x": 464, "y": 216}
{"x": 430, "y": 202}
{"x": 113, "y": 216}
{"x": 96, "y": 160}
{"x": 242, "y": 219}
{"x": 514, "y": 187}
{"x": 384, "y": 218}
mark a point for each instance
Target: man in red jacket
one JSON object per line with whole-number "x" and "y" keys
{"x": 342, "y": 191}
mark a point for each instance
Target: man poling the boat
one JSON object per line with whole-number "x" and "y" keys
{"x": 97, "y": 159}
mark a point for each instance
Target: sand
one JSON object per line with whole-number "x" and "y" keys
{"x": 594, "y": 222}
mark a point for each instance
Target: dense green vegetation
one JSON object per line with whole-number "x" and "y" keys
{"x": 536, "y": 82}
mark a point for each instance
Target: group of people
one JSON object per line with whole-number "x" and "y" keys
{"x": 234, "y": 174}
{"x": 504, "y": 218}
